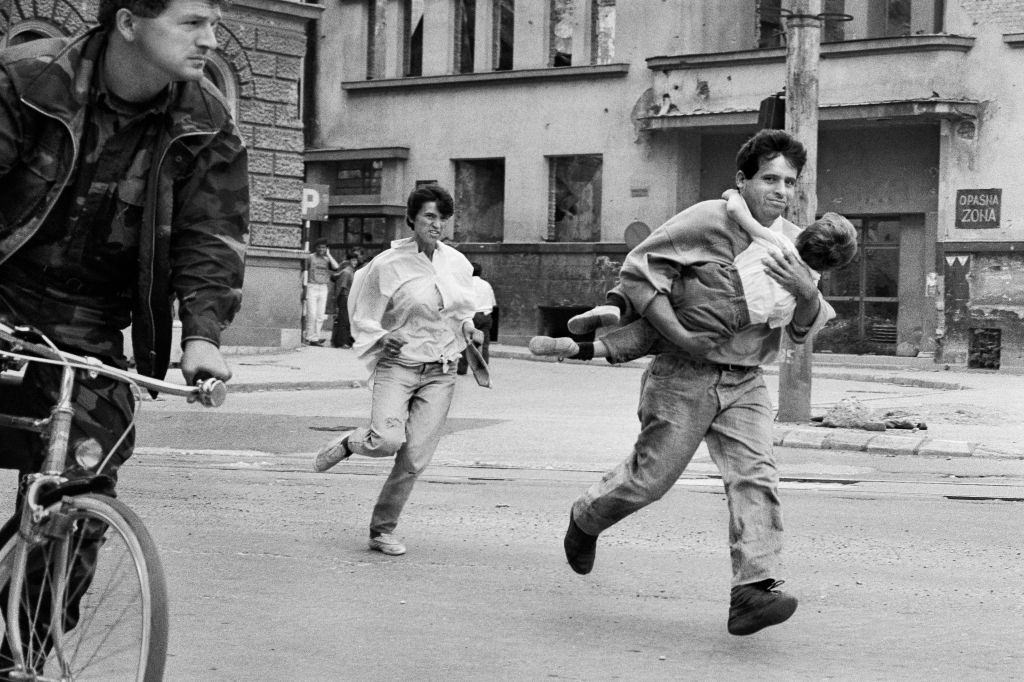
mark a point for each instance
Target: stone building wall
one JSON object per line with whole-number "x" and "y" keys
{"x": 262, "y": 45}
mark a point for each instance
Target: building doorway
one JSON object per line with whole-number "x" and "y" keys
{"x": 865, "y": 293}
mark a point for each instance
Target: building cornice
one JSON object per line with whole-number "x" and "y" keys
{"x": 491, "y": 77}
{"x": 848, "y": 48}
{"x": 895, "y": 111}
{"x": 366, "y": 153}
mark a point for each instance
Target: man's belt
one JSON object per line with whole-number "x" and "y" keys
{"x": 725, "y": 367}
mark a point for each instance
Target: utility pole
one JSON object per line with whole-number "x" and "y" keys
{"x": 803, "y": 49}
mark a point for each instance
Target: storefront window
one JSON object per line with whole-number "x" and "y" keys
{"x": 865, "y": 293}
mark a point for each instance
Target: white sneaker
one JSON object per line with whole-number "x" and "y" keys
{"x": 600, "y": 316}
{"x": 560, "y": 347}
{"x": 332, "y": 453}
{"x": 386, "y": 543}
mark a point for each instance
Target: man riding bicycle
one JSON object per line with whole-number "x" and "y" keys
{"x": 123, "y": 185}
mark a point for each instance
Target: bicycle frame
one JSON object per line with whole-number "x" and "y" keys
{"x": 39, "y": 523}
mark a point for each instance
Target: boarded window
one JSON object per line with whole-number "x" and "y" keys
{"x": 465, "y": 35}
{"x": 504, "y": 33}
{"x": 574, "y": 198}
{"x": 358, "y": 177}
{"x": 413, "y": 55}
{"x": 479, "y": 200}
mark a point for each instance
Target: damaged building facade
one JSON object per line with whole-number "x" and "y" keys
{"x": 567, "y": 129}
{"x": 260, "y": 65}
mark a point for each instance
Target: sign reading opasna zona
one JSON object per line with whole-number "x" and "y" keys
{"x": 978, "y": 209}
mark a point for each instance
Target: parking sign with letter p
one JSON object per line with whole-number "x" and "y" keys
{"x": 314, "y": 202}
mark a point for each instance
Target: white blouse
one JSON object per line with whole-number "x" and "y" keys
{"x": 425, "y": 300}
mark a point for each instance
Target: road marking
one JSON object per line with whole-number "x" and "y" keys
{"x": 1006, "y": 490}
{"x": 788, "y": 485}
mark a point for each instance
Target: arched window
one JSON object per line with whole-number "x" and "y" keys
{"x": 220, "y": 74}
{"x": 29, "y": 29}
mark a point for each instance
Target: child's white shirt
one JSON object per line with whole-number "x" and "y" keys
{"x": 767, "y": 302}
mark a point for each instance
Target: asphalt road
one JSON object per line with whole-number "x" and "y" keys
{"x": 270, "y": 578}
{"x": 906, "y": 568}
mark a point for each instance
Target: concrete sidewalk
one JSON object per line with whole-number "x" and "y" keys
{"x": 968, "y": 413}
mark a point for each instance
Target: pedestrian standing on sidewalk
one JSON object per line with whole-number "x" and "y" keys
{"x": 718, "y": 396}
{"x": 341, "y": 334}
{"x": 482, "y": 319}
{"x": 411, "y": 310}
{"x": 319, "y": 266}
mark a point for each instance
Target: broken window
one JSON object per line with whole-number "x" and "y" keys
{"x": 358, "y": 177}
{"x": 563, "y": 27}
{"x": 568, "y": 45}
{"x": 479, "y": 200}
{"x": 504, "y": 32}
{"x": 413, "y": 56}
{"x": 465, "y": 35}
{"x": 603, "y": 46}
{"x": 574, "y": 198}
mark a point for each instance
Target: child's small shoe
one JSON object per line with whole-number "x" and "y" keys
{"x": 561, "y": 347}
{"x": 599, "y": 316}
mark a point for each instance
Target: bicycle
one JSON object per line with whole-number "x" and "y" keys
{"x": 71, "y": 546}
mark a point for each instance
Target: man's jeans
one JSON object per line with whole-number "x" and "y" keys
{"x": 407, "y": 417}
{"x": 681, "y": 403}
{"x": 316, "y": 310}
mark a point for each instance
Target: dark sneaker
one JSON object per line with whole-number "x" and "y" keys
{"x": 332, "y": 453}
{"x": 580, "y": 548}
{"x": 758, "y": 605}
{"x": 601, "y": 316}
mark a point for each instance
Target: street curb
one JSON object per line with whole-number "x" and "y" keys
{"x": 822, "y": 438}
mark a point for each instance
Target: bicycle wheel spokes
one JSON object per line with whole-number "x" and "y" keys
{"x": 112, "y": 597}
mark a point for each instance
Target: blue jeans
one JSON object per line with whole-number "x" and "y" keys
{"x": 706, "y": 298}
{"x": 681, "y": 403}
{"x": 407, "y": 417}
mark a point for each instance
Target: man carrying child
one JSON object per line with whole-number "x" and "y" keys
{"x": 693, "y": 392}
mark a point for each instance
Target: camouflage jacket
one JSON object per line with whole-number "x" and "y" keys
{"x": 196, "y": 199}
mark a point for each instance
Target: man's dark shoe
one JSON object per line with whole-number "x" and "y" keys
{"x": 580, "y": 548}
{"x": 758, "y": 605}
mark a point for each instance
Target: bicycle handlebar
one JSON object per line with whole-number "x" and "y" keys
{"x": 208, "y": 392}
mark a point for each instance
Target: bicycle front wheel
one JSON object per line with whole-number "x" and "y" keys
{"x": 103, "y": 570}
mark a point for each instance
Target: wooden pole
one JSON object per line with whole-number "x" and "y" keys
{"x": 803, "y": 50}
{"x": 304, "y": 279}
